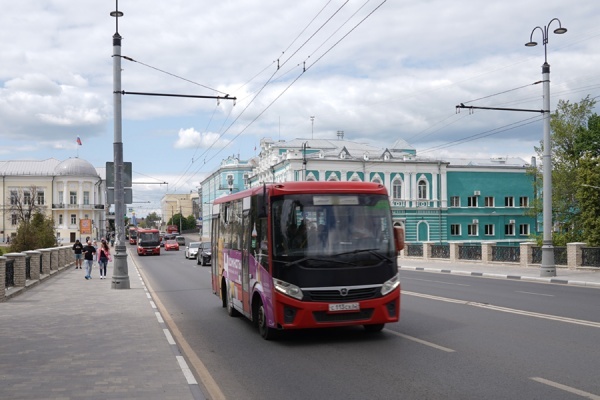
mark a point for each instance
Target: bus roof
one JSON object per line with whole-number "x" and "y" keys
{"x": 277, "y": 189}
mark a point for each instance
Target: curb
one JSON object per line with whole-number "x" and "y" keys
{"x": 502, "y": 276}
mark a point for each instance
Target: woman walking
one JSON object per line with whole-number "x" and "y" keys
{"x": 78, "y": 250}
{"x": 103, "y": 258}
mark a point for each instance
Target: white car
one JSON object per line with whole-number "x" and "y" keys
{"x": 191, "y": 250}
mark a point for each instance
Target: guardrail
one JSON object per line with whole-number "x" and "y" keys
{"x": 572, "y": 256}
{"x": 21, "y": 271}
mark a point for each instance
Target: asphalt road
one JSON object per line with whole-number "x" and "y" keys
{"x": 458, "y": 338}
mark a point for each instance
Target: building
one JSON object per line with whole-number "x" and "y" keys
{"x": 432, "y": 199}
{"x": 178, "y": 203}
{"x": 72, "y": 192}
{"x": 232, "y": 176}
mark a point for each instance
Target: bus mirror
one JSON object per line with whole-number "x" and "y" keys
{"x": 399, "y": 238}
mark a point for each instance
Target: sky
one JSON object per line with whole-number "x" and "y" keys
{"x": 378, "y": 70}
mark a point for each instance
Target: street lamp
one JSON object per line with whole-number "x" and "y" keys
{"x": 120, "y": 279}
{"x": 548, "y": 268}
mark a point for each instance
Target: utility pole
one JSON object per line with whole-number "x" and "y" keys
{"x": 120, "y": 279}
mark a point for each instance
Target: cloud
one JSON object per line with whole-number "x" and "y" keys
{"x": 190, "y": 138}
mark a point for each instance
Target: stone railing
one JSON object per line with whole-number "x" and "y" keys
{"x": 21, "y": 271}
{"x": 573, "y": 256}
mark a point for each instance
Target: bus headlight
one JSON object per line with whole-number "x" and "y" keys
{"x": 390, "y": 284}
{"x": 288, "y": 289}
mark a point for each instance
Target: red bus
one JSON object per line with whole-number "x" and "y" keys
{"x": 307, "y": 255}
{"x": 132, "y": 235}
{"x": 148, "y": 242}
{"x": 172, "y": 229}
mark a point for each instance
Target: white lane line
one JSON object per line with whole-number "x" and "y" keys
{"x": 566, "y": 388}
{"x": 153, "y": 304}
{"x": 148, "y": 295}
{"x": 536, "y": 294}
{"x": 187, "y": 372}
{"x": 421, "y": 341}
{"x": 429, "y": 280}
{"x": 169, "y": 337}
{"x": 159, "y": 317}
{"x": 507, "y": 310}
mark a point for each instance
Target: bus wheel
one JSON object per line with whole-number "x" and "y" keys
{"x": 374, "y": 327}
{"x": 264, "y": 330}
{"x": 228, "y": 303}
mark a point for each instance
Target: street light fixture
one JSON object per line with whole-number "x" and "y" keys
{"x": 548, "y": 268}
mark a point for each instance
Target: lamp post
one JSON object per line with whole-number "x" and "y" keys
{"x": 548, "y": 268}
{"x": 120, "y": 279}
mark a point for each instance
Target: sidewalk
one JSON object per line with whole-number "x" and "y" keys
{"x": 588, "y": 278}
{"x": 71, "y": 338}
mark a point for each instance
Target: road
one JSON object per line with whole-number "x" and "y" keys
{"x": 459, "y": 337}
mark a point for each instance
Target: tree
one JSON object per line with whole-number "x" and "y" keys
{"x": 587, "y": 194}
{"x": 152, "y": 219}
{"x": 36, "y": 233}
{"x": 24, "y": 202}
{"x": 575, "y": 134}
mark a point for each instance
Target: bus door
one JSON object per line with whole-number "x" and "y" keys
{"x": 246, "y": 229}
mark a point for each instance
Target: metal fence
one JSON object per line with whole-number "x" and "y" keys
{"x": 560, "y": 255}
{"x": 469, "y": 251}
{"x": 9, "y": 279}
{"x": 440, "y": 251}
{"x": 506, "y": 253}
{"x": 414, "y": 250}
{"x": 590, "y": 257}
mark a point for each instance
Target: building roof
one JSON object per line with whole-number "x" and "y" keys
{"x": 50, "y": 167}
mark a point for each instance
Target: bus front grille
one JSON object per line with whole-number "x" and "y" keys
{"x": 336, "y": 294}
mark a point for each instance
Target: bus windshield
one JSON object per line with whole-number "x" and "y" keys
{"x": 340, "y": 229}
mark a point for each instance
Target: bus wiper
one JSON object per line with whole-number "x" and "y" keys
{"x": 372, "y": 251}
{"x": 321, "y": 259}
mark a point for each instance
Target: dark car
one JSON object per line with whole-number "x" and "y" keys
{"x": 204, "y": 256}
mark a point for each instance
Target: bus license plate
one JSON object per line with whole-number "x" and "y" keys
{"x": 344, "y": 307}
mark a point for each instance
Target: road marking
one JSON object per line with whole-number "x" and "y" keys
{"x": 159, "y": 317}
{"x": 566, "y": 388}
{"x": 187, "y": 372}
{"x": 169, "y": 337}
{"x": 421, "y": 341}
{"x": 429, "y": 280}
{"x": 507, "y": 310}
{"x": 537, "y": 294}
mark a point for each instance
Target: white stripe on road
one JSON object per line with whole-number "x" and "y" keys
{"x": 507, "y": 310}
{"x": 429, "y": 280}
{"x": 566, "y": 388}
{"x": 169, "y": 336}
{"x": 421, "y": 341}
{"x": 536, "y": 294}
{"x": 187, "y": 372}
{"x": 159, "y": 317}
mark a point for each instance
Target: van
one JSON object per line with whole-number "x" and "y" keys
{"x": 180, "y": 240}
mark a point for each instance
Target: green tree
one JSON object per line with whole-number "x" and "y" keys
{"x": 190, "y": 222}
{"x": 152, "y": 219}
{"x": 575, "y": 134}
{"x": 36, "y": 233}
{"x": 588, "y": 193}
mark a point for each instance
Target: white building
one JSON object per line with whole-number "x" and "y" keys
{"x": 72, "y": 192}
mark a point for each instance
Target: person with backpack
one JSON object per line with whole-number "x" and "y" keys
{"x": 103, "y": 258}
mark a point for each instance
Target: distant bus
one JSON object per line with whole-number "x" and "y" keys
{"x": 307, "y": 255}
{"x": 132, "y": 235}
{"x": 172, "y": 229}
{"x": 148, "y": 242}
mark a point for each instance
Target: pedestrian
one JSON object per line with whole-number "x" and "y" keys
{"x": 78, "y": 250}
{"x": 89, "y": 252}
{"x": 103, "y": 258}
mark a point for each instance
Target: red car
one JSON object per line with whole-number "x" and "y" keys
{"x": 171, "y": 245}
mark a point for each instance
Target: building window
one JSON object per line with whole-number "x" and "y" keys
{"x": 61, "y": 197}
{"x": 72, "y": 197}
{"x": 40, "y": 198}
{"x": 86, "y": 198}
{"x": 422, "y": 189}
{"x": 489, "y": 230}
{"x": 472, "y": 230}
{"x": 472, "y": 201}
{"x": 73, "y": 219}
{"x": 397, "y": 189}
{"x": 524, "y": 229}
{"x": 455, "y": 201}
{"x": 455, "y": 230}
{"x": 509, "y": 201}
{"x": 489, "y": 201}
{"x": 60, "y": 219}
{"x": 13, "y": 197}
{"x": 524, "y": 201}
{"x": 13, "y": 219}
{"x": 26, "y": 197}
{"x": 509, "y": 230}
